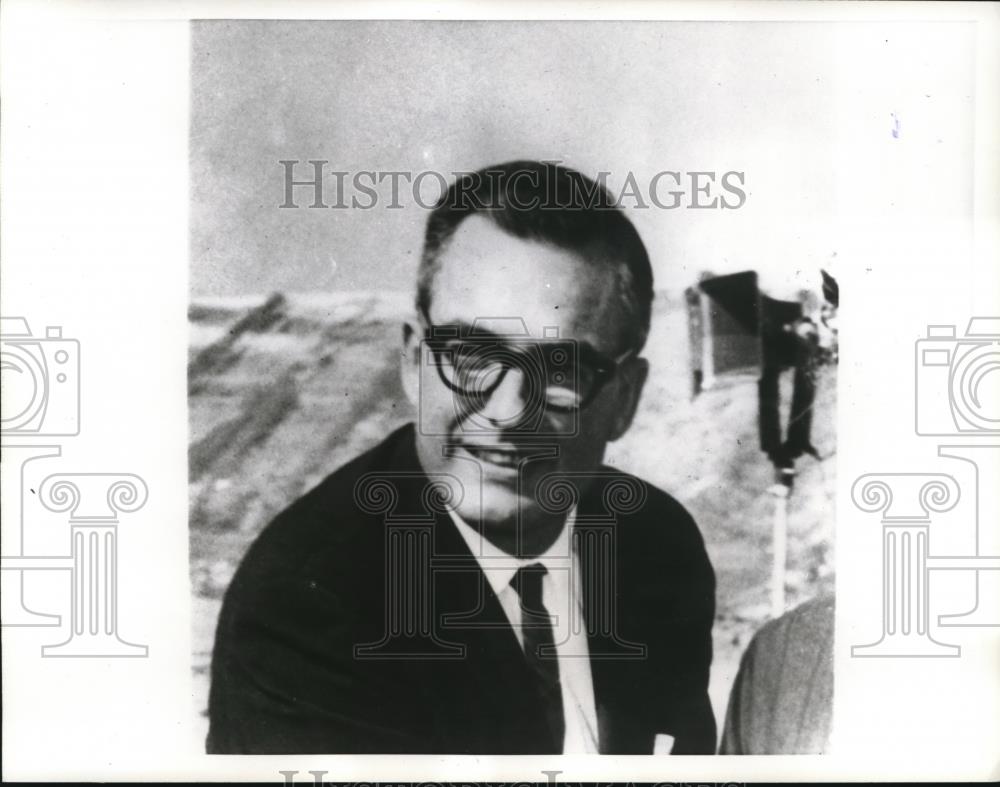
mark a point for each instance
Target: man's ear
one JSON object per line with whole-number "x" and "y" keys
{"x": 409, "y": 360}
{"x": 633, "y": 376}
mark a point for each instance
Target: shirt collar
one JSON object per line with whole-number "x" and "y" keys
{"x": 500, "y": 567}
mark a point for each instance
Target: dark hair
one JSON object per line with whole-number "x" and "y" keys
{"x": 553, "y": 204}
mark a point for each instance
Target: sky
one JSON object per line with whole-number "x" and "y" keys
{"x": 809, "y": 113}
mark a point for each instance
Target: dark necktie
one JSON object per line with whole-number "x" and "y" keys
{"x": 539, "y": 645}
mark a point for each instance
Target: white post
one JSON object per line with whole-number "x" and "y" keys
{"x": 779, "y": 540}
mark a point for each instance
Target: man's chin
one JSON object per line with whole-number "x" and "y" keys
{"x": 497, "y": 506}
{"x": 495, "y": 497}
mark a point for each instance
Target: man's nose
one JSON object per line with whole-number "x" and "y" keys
{"x": 506, "y": 405}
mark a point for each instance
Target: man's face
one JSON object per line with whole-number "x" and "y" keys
{"x": 500, "y": 442}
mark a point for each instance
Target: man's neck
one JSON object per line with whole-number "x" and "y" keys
{"x": 527, "y": 539}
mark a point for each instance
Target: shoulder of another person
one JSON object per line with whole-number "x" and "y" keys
{"x": 807, "y": 627}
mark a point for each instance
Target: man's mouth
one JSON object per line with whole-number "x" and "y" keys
{"x": 501, "y": 456}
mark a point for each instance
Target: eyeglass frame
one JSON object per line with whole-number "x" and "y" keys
{"x": 604, "y": 370}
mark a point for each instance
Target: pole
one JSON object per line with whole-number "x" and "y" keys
{"x": 779, "y": 539}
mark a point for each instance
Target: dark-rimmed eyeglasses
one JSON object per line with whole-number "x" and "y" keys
{"x": 561, "y": 374}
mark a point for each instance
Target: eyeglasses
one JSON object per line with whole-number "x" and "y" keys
{"x": 562, "y": 375}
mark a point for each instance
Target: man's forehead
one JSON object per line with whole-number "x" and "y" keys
{"x": 502, "y": 283}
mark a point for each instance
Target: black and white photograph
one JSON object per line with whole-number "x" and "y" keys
{"x": 513, "y": 389}
{"x": 476, "y": 392}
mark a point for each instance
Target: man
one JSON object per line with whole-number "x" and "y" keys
{"x": 479, "y": 583}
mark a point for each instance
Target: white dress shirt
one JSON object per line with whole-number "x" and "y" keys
{"x": 563, "y": 599}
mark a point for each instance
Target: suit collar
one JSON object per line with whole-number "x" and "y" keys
{"x": 499, "y": 566}
{"x": 471, "y": 614}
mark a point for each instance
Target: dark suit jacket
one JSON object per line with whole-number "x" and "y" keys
{"x": 288, "y": 675}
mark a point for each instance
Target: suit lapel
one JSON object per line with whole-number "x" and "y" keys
{"x": 616, "y": 663}
{"x": 494, "y": 673}
{"x": 492, "y": 676}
